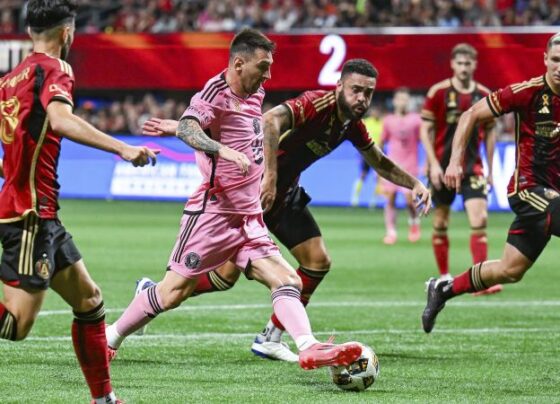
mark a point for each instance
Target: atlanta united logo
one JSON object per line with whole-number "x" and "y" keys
{"x": 43, "y": 266}
{"x": 550, "y": 194}
{"x": 192, "y": 261}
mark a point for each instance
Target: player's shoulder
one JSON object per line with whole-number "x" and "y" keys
{"x": 52, "y": 63}
{"x": 214, "y": 88}
{"x": 439, "y": 87}
{"x": 528, "y": 86}
{"x": 319, "y": 98}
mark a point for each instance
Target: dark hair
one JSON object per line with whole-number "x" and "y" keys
{"x": 464, "y": 49}
{"x": 248, "y": 41}
{"x": 360, "y": 66}
{"x": 46, "y": 14}
{"x": 554, "y": 40}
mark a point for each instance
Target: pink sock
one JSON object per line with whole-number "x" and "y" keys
{"x": 290, "y": 311}
{"x": 143, "y": 308}
{"x": 390, "y": 217}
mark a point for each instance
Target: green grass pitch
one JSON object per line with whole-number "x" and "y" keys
{"x": 501, "y": 348}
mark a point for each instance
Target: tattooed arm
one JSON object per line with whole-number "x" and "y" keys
{"x": 190, "y": 132}
{"x": 387, "y": 168}
{"x": 275, "y": 122}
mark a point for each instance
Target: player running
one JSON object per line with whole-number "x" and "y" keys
{"x": 297, "y": 133}
{"x": 401, "y": 135}
{"x": 444, "y": 104}
{"x": 223, "y": 219}
{"x": 35, "y": 114}
{"x": 533, "y": 190}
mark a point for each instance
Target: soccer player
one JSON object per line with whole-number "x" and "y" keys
{"x": 374, "y": 125}
{"x": 401, "y": 134}
{"x": 534, "y": 188}
{"x": 223, "y": 219}
{"x": 444, "y": 104}
{"x": 297, "y": 133}
{"x": 35, "y": 113}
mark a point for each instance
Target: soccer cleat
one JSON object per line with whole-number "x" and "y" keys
{"x": 446, "y": 277}
{"x": 111, "y": 353}
{"x": 142, "y": 284}
{"x": 110, "y": 402}
{"x": 273, "y": 350}
{"x": 327, "y": 354}
{"x": 390, "y": 239}
{"x": 436, "y": 302}
{"x": 490, "y": 291}
{"x": 414, "y": 233}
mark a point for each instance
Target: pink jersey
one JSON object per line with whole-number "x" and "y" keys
{"x": 237, "y": 123}
{"x": 401, "y": 135}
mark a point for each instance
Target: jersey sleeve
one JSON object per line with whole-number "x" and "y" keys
{"x": 428, "y": 112}
{"x": 201, "y": 110}
{"x": 301, "y": 109}
{"x": 58, "y": 84}
{"x": 359, "y": 136}
{"x": 507, "y": 99}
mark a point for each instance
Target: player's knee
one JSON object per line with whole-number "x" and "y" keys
{"x": 229, "y": 273}
{"x": 90, "y": 299}
{"x": 24, "y": 326}
{"x": 318, "y": 261}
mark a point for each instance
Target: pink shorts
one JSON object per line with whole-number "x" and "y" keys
{"x": 389, "y": 187}
{"x": 208, "y": 240}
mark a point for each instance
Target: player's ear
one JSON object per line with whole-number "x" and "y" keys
{"x": 545, "y": 58}
{"x": 238, "y": 62}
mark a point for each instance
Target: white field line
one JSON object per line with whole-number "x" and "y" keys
{"x": 386, "y": 303}
{"x": 159, "y": 338}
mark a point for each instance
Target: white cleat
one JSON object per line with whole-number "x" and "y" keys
{"x": 142, "y": 284}
{"x": 274, "y": 350}
{"x": 446, "y": 277}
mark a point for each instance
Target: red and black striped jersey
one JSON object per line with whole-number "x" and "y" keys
{"x": 315, "y": 131}
{"x": 31, "y": 149}
{"x": 443, "y": 106}
{"x": 537, "y": 115}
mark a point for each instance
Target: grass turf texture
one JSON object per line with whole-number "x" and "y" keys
{"x": 501, "y": 348}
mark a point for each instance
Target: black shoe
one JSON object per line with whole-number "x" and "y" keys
{"x": 436, "y": 302}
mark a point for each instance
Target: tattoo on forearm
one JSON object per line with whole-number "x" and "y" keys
{"x": 189, "y": 131}
{"x": 386, "y": 168}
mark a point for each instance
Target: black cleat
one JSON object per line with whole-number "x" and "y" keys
{"x": 436, "y": 302}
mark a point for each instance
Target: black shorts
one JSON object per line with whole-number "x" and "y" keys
{"x": 474, "y": 186}
{"x": 291, "y": 221}
{"x": 537, "y": 217}
{"x": 34, "y": 250}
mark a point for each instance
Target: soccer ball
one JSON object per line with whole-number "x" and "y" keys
{"x": 360, "y": 374}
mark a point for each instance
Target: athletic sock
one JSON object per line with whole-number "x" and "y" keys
{"x": 90, "y": 345}
{"x": 440, "y": 244}
{"x": 290, "y": 311}
{"x": 469, "y": 281}
{"x": 8, "y": 324}
{"x": 310, "y": 281}
{"x": 144, "y": 308}
{"x": 479, "y": 247}
{"x": 211, "y": 282}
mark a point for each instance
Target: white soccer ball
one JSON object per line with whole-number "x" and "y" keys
{"x": 360, "y": 374}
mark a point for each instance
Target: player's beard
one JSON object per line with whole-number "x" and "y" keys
{"x": 347, "y": 110}
{"x": 65, "y": 49}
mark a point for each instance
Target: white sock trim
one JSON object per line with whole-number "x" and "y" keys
{"x": 114, "y": 339}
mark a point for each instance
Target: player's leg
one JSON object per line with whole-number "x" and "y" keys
{"x": 359, "y": 183}
{"x": 390, "y": 213}
{"x": 440, "y": 241}
{"x": 414, "y": 232}
{"x": 220, "y": 280}
{"x": 510, "y": 268}
{"x": 18, "y": 311}
{"x": 285, "y": 287}
{"x": 76, "y": 287}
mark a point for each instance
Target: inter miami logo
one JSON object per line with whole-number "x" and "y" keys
{"x": 192, "y": 261}
{"x": 43, "y": 266}
{"x": 257, "y": 126}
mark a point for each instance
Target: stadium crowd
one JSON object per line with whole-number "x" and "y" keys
{"x": 164, "y": 16}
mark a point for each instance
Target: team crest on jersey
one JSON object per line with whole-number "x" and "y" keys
{"x": 550, "y": 194}
{"x": 545, "y": 104}
{"x": 192, "y": 261}
{"x": 9, "y": 111}
{"x": 43, "y": 267}
{"x": 257, "y": 126}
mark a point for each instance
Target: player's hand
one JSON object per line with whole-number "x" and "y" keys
{"x": 454, "y": 176}
{"x": 490, "y": 181}
{"x": 423, "y": 198}
{"x": 268, "y": 191}
{"x": 159, "y": 127}
{"x": 436, "y": 176}
{"x": 240, "y": 159}
{"x": 139, "y": 156}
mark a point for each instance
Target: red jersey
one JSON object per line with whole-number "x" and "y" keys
{"x": 537, "y": 113}
{"x": 443, "y": 106}
{"x": 315, "y": 131}
{"x": 31, "y": 149}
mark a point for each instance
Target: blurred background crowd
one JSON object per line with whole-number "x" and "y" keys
{"x": 164, "y": 16}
